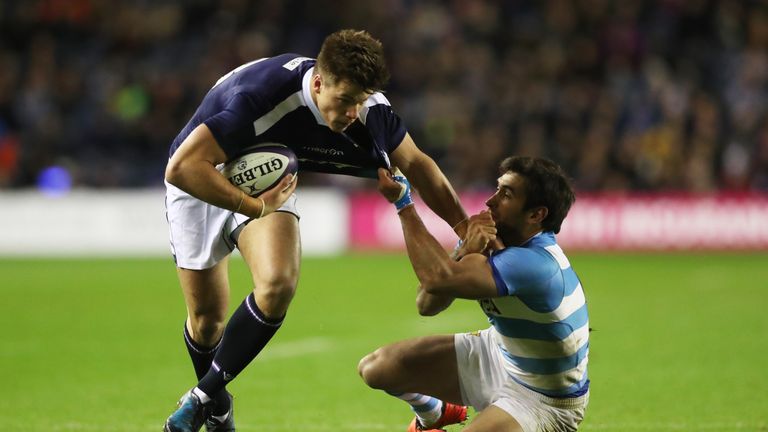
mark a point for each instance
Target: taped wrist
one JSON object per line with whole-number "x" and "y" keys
{"x": 455, "y": 255}
{"x": 405, "y": 199}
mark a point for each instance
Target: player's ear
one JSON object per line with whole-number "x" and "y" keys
{"x": 317, "y": 82}
{"x": 538, "y": 214}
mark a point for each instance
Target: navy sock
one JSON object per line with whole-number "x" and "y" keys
{"x": 247, "y": 332}
{"x": 202, "y": 357}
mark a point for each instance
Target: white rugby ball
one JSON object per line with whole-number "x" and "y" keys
{"x": 261, "y": 168}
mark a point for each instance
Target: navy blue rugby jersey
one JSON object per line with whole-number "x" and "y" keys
{"x": 268, "y": 100}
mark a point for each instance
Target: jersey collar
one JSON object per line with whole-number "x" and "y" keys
{"x": 306, "y": 91}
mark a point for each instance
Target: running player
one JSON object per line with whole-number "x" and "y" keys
{"x": 332, "y": 114}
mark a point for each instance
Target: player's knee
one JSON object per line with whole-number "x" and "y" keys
{"x": 371, "y": 369}
{"x": 366, "y": 367}
{"x": 275, "y": 293}
{"x": 206, "y": 330}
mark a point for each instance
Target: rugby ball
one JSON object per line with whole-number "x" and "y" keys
{"x": 260, "y": 168}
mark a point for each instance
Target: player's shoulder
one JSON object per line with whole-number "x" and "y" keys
{"x": 518, "y": 254}
{"x": 270, "y": 79}
{"x": 295, "y": 62}
{"x": 376, "y": 105}
{"x": 375, "y": 99}
{"x": 544, "y": 256}
{"x": 280, "y": 67}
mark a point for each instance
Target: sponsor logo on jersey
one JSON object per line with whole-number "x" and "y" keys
{"x": 293, "y": 64}
{"x": 325, "y": 151}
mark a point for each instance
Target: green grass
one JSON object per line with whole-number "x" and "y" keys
{"x": 680, "y": 344}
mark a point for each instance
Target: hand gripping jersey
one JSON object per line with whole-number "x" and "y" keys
{"x": 268, "y": 100}
{"x": 540, "y": 317}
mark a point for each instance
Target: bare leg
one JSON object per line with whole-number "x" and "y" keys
{"x": 206, "y": 293}
{"x": 428, "y": 365}
{"x": 425, "y": 365}
{"x": 272, "y": 249}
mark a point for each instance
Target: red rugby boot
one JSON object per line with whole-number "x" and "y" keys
{"x": 452, "y": 414}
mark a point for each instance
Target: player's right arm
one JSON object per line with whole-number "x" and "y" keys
{"x": 479, "y": 239}
{"x": 192, "y": 168}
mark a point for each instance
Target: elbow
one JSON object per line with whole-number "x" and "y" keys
{"x": 431, "y": 301}
{"x": 430, "y": 288}
{"x": 173, "y": 173}
{"x": 434, "y": 294}
{"x": 425, "y": 306}
{"x": 435, "y": 284}
{"x": 427, "y": 312}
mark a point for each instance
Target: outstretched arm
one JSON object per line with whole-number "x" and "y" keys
{"x": 192, "y": 168}
{"x": 431, "y": 183}
{"x": 470, "y": 277}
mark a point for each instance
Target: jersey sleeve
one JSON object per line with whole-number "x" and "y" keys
{"x": 385, "y": 126}
{"x": 233, "y": 125}
{"x": 519, "y": 271}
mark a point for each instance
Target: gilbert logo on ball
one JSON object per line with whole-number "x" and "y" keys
{"x": 260, "y": 168}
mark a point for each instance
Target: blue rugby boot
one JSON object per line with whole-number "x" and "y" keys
{"x": 188, "y": 417}
{"x": 213, "y": 424}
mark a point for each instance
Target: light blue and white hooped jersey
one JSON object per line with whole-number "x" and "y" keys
{"x": 540, "y": 317}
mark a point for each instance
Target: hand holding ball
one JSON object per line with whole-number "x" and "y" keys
{"x": 261, "y": 168}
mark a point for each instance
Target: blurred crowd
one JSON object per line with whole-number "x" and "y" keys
{"x": 627, "y": 95}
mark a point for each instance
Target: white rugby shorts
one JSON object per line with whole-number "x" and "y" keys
{"x": 484, "y": 382}
{"x": 202, "y": 234}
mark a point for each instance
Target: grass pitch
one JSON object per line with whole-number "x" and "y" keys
{"x": 680, "y": 344}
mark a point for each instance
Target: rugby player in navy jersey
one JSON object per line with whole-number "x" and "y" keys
{"x": 332, "y": 114}
{"x": 528, "y": 370}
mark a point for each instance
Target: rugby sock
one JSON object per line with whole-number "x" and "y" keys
{"x": 246, "y": 333}
{"x": 202, "y": 357}
{"x": 427, "y": 409}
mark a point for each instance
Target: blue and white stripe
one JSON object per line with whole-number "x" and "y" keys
{"x": 542, "y": 325}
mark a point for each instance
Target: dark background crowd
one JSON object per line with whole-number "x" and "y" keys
{"x": 627, "y": 95}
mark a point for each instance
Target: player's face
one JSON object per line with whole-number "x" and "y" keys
{"x": 339, "y": 102}
{"x": 506, "y": 206}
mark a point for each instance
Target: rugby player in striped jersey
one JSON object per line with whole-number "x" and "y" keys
{"x": 528, "y": 370}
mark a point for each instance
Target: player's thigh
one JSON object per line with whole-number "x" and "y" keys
{"x": 493, "y": 419}
{"x": 423, "y": 365}
{"x": 271, "y": 247}
{"x": 206, "y": 290}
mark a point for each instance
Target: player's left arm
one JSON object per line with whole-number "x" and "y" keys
{"x": 440, "y": 275}
{"x": 431, "y": 183}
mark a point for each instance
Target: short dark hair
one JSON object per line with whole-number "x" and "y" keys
{"x": 354, "y": 55}
{"x": 546, "y": 185}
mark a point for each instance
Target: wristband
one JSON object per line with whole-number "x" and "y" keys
{"x": 404, "y": 200}
{"x": 455, "y": 254}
